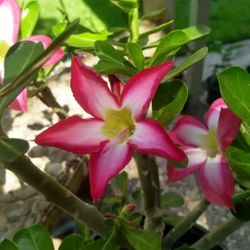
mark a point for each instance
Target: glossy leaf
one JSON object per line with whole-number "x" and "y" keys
{"x": 33, "y": 238}
{"x": 125, "y": 5}
{"x": 187, "y": 63}
{"x": 169, "y": 45}
{"x": 8, "y": 245}
{"x": 11, "y": 149}
{"x": 242, "y": 205}
{"x": 169, "y": 101}
{"x": 30, "y": 14}
{"x": 18, "y": 58}
{"x": 142, "y": 239}
{"x": 86, "y": 39}
{"x": 135, "y": 53}
{"x": 240, "y": 162}
{"x": 59, "y": 28}
{"x": 72, "y": 242}
{"x": 171, "y": 199}
{"x": 196, "y": 32}
{"x": 235, "y": 88}
{"x": 95, "y": 245}
{"x": 112, "y": 60}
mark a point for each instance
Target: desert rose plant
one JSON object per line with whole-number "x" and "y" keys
{"x": 135, "y": 104}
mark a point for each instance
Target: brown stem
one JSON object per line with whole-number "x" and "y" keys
{"x": 59, "y": 195}
{"x": 47, "y": 97}
{"x": 150, "y": 186}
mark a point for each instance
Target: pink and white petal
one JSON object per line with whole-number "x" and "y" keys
{"x": 77, "y": 135}
{"x": 150, "y": 137}
{"x": 140, "y": 89}
{"x": 216, "y": 181}
{"x": 189, "y": 131}
{"x": 228, "y": 127}
{"x": 20, "y": 103}
{"x": 90, "y": 90}
{"x": 46, "y": 41}
{"x": 212, "y": 116}
{"x": 9, "y": 20}
{"x": 105, "y": 164}
{"x": 196, "y": 158}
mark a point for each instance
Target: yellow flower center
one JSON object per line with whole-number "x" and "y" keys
{"x": 210, "y": 144}
{"x": 119, "y": 124}
{"x": 3, "y": 50}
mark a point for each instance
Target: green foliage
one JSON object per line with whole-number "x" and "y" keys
{"x": 242, "y": 205}
{"x": 171, "y": 199}
{"x": 12, "y": 149}
{"x": 72, "y": 242}
{"x": 33, "y": 238}
{"x": 240, "y": 162}
{"x": 136, "y": 54}
{"x": 142, "y": 239}
{"x": 234, "y": 85}
{"x": 8, "y": 245}
{"x": 169, "y": 100}
{"x": 112, "y": 60}
{"x": 29, "y": 18}
{"x": 126, "y": 5}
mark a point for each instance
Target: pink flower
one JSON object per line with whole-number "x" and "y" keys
{"x": 9, "y": 29}
{"x": 205, "y": 146}
{"x": 117, "y": 126}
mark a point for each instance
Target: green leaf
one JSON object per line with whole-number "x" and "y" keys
{"x": 169, "y": 45}
{"x": 8, "y": 245}
{"x": 112, "y": 60}
{"x": 187, "y": 63}
{"x": 111, "y": 242}
{"x": 30, "y": 14}
{"x": 125, "y": 5}
{"x": 86, "y": 39}
{"x": 59, "y": 28}
{"x": 135, "y": 53}
{"x": 172, "y": 220}
{"x": 171, "y": 199}
{"x": 33, "y": 238}
{"x": 142, "y": 239}
{"x": 96, "y": 245}
{"x": 72, "y": 242}
{"x": 242, "y": 205}
{"x": 186, "y": 248}
{"x": 196, "y": 32}
{"x": 234, "y": 85}
{"x": 17, "y": 59}
{"x": 169, "y": 100}
{"x": 11, "y": 149}
{"x": 240, "y": 162}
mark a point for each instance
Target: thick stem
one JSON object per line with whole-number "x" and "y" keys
{"x": 184, "y": 225}
{"x": 133, "y": 18}
{"x": 58, "y": 195}
{"x": 150, "y": 187}
{"x": 47, "y": 97}
{"x": 211, "y": 239}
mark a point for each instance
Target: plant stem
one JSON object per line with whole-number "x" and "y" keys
{"x": 150, "y": 186}
{"x": 58, "y": 195}
{"x": 133, "y": 18}
{"x": 47, "y": 97}
{"x": 209, "y": 240}
{"x": 185, "y": 224}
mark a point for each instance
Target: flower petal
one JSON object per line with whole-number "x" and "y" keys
{"x": 150, "y": 138}
{"x": 196, "y": 158}
{"x": 141, "y": 88}
{"x": 9, "y": 20}
{"x": 228, "y": 127}
{"x": 90, "y": 90}
{"x": 216, "y": 181}
{"x": 105, "y": 164}
{"x": 189, "y": 131}
{"x": 46, "y": 41}
{"x": 213, "y": 114}
{"x": 20, "y": 103}
{"x": 116, "y": 86}
{"x": 77, "y": 135}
